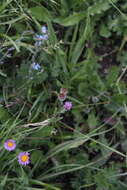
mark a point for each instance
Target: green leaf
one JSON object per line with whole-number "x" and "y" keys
{"x": 119, "y": 98}
{"x": 83, "y": 89}
{"x": 40, "y": 183}
{"x": 112, "y": 75}
{"x": 44, "y": 132}
{"x": 92, "y": 120}
{"x": 79, "y": 46}
{"x": 35, "y": 156}
{"x": 3, "y": 74}
{"x": 3, "y": 182}
{"x": 98, "y": 7}
{"x": 75, "y": 3}
{"x": 4, "y": 115}
{"x": 70, "y": 20}
{"x": 66, "y": 146}
{"x": 104, "y": 32}
{"x": 52, "y": 36}
{"x": 40, "y": 13}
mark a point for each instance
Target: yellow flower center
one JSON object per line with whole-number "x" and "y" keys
{"x": 9, "y": 144}
{"x": 24, "y": 158}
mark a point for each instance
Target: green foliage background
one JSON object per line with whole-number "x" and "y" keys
{"x": 81, "y": 149}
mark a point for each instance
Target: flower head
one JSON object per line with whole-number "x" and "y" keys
{"x": 62, "y": 96}
{"x": 44, "y": 29}
{"x": 35, "y": 66}
{"x": 67, "y": 105}
{"x": 63, "y": 90}
{"x": 39, "y": 37}
{"x": 9, "y": 144}
{"x": 23, "y": 158}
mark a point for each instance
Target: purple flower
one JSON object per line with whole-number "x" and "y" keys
{"x": 9, "y": 144}
{"x": 44, "y": 29}
{"x": 67, "y": 105}
{"x": 23, "y": 158}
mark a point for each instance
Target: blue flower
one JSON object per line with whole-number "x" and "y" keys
{"x": 41, "y": 37}
{"x": 45, "y": 37}
{"x": 44, "y": 29}
{"x": 35, "y": 66}
{"x": 38, "y": 43}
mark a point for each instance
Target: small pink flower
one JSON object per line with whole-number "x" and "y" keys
{"x": 61, "y": 96}
{"x": 23, "y": 158}
{"x": 63, "y": 91}
{"x": 9, "y": 144}
{"x": 67, "y": 105}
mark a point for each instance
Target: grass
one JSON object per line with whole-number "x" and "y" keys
{"x": 82, "y": 148}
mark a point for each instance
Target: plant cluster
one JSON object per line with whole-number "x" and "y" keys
{"x": 63, "y": 94}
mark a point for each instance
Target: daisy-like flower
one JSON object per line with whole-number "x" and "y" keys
{"x": 23, "y": 158}
{"x": 67, "y": 105}
{"x": 9, "y": 144}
